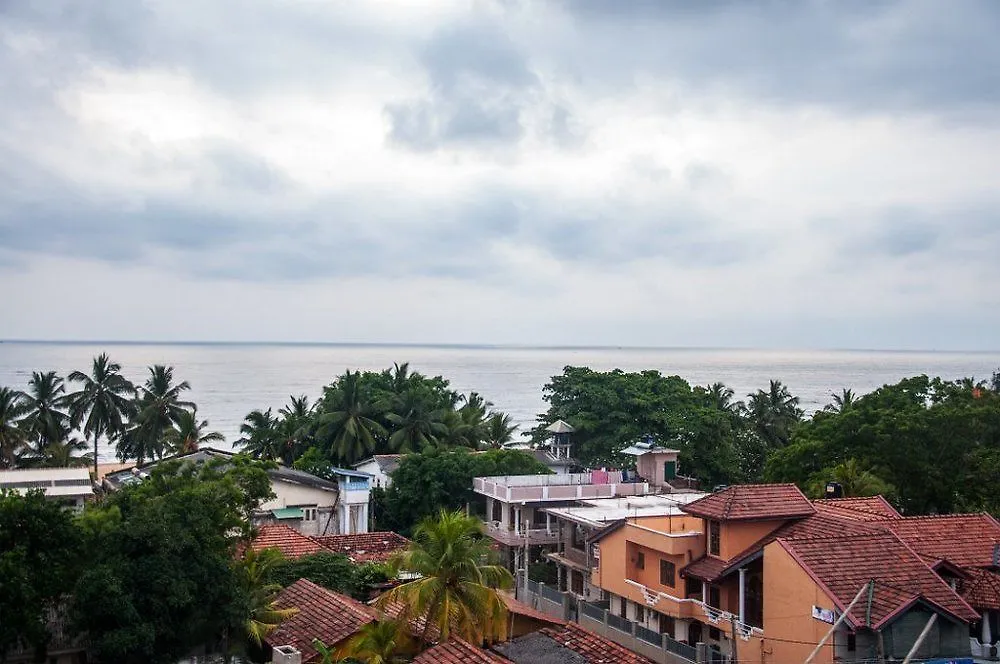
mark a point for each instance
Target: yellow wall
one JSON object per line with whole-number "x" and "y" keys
{"x": 738, "y": 535}
{"x": 789, "y": 595}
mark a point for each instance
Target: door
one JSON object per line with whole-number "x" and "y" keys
{"x": 669, "y": 471}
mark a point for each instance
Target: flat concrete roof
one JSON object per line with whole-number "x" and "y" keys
{"x": 602, "y": 511}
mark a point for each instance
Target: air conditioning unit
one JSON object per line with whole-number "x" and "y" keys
{"x": 286, "y": 655}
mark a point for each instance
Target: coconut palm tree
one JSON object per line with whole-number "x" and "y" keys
{"x": 381, "y": 642}
{"x": 263, "y": 615}
{"x": 842, "y": 402}
{"x": 47, "y": 421}
{"x": 456, "y": 592}
{"x": 62, "y": 454}
{"x": 260, "y": 437}
{"x": 188, "y": 435}
{"x": 293, "y": 429}
{"x": 159, "y": 407}
{"x": 500, "y": 430}
{"x": 721, "y": 397}
{"x": 13, "y": 438}
{"x": 349, "y": 429}
{"x": 854, "y": 478}
{"x": 774, "y": 413}
{"x": 104, "y": 403}
{"x": 416, "y": 425}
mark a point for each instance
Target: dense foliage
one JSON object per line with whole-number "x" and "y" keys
{"x": 927, "y": 444}
{"x": 40, "y": 427}
{"x": 331, "y": 570}
{"x": 426, "y": 483}
{"x": 372, "y": 412}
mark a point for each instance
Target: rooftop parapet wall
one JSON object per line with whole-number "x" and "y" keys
{"x": 545, "y": 488}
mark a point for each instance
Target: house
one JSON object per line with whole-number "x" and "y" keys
{"x": 568, "y": 643}
{"x": 380, "y": 467}
{"x": 514, "y": 516}
{"x": 658, "y": 465}
{"x": 458, "y": 651}
{"x": 290, "y": 542}
{"x": 322, "y": 614}
{"x": 355, "y": 492}
{"x": 311, "y": 505}
{"x": 71, "y": 487}
{"x": 579, "y": 523}
{"x": 760, "y": 572}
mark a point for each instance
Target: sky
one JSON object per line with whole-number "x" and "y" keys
{"x": 781, "y": 173}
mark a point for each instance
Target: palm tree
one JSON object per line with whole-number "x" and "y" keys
{"x": 774, "y": 413}
{"x": 104, "y": 403}
{"x": 854, "y": 479}
{"x": 842, "y": 402}
{"x": 293, "y": 428}
{"x": 399, "y": 377}
{"x": 381, "y": 642}
{"x": 189, "y": 434}
{"x": 46, "y": 421}
{"x": 349, "y": 429}
{"x": 260, "y": 438}
{"x": 262, "y": 613}
{"x": 500, "y": 430}
{"x": 456, "y": 591}
{"x": 721, "y": 397}
{"x": 62, "y": 455}
{"x": 416, "y": 426}
{"x": 159, "y": 408}
{"x": 13, "y": 438}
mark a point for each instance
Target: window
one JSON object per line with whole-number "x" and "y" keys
{"x": 713, "y": 633}
{"x": 640, "y": 613}
{"x": 667, "y": 570}
{"x": 640, "y": 560}
{"x": 623, "y": 607}
{"x": 852, "y": 642}
{"x": 713, "y": 597}
{"x": 667, "y": 625}
{"x": 714, "y": 537}
{"x": 309, "y": 514}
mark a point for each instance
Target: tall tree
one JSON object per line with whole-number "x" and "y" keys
{"x": 262, "y": 613}
{"x": 104, "y": 403}
{"x": 379, "y": 642}
{"x": 349, "y": 429}
{"x": 417, "y": 424}
{"x": 774, "y": 413}
{"x": 260, "y": 437}
{"x": 12, "y": 434}
{"x": 47, "y": 420}
{"x": 457, "y": 591}
{"x": 188, "y": 434}
{"x": 500, "y": 429}
{"x": 63, "y": 455}
{"x": 841, "y": 402}
{"x": 158, "y": 409}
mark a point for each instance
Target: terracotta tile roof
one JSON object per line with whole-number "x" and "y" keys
{"x": 457, "y": 651}
{"x": 844, "y": 563}
{"x": 981, "y": 589}
{"x": 522, "y": 609}
{"x": 705, "y": 568}
{"x": 967, "y": 540}
{"x": 752, "y": 502}
{"x": 872, "y": 508}
{"x": 323, "y": 614}
{"x": 365, "y": 547}
{"x": 291, "y": 543}
{"x": 595, "y": 649}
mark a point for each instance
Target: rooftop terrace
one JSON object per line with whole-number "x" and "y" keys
{"x": 552, "y": 488}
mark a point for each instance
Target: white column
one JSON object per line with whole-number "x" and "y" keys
{"x": 704, "y": 593}
{"x": 517, "y": 519}
{"x": 743, "y": 595}
{"x": 985, "y": 636}
{"x": 548, "y": 523}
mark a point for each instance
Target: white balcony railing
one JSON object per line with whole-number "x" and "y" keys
{"x": 715, "y": 616}
{"x": 513, "y": 537}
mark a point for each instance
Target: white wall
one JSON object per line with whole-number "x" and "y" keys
{"x": 373, "y": 468}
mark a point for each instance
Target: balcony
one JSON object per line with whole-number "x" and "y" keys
{"x": 551, "y": 488}
{"x": 530, "y": 536}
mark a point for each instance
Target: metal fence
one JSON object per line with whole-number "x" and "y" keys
{"x": 682, "y": 649}
{"x": 619, "y": 623}
{"x": 592, "y": 611}
{"x": 649, "y": 636}
{"x": 532, "y": 587}
{"x": 551, "y": 594}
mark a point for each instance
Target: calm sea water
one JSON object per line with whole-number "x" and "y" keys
{"x": 229, "y": 380}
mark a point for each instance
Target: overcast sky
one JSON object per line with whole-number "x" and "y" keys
{"x": 782, "y": 173}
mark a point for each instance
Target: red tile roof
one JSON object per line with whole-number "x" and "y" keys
{"x": 842, "y": 564}
{"x": 705, "y": 568}
{"x": 457, "y": 651}
{"x": 752, "y": 502}
{"x": 365, "y": 547}
{"x": 291, "y": 543}
{"x": 872, "y": 508}
{"x": 594, "y": 648}
{"x": 967, "y": 540}
{"x": 323, "y": 614}
{"x": 981, "y": 589}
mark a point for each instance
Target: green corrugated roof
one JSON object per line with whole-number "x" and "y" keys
{"x": 288, "y": 513}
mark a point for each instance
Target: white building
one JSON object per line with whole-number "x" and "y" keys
{"x": 310, "y": 504}
{"x": 380, "y": 467}
{"x": 70, "y": 486}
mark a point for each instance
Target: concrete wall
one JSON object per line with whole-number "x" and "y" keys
{"x": 738, "y": 535}
{"x": 946, "y": 638}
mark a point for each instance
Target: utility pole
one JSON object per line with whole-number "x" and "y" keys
{"x": 920, "y": 639}
{"x": 836, "y": 624}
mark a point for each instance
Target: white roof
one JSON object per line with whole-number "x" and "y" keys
{"x": 598, "y": 512}
{"x": 43, "y": 475}
{"x": 560, "y": 427}
{"x": 638, "y": 449}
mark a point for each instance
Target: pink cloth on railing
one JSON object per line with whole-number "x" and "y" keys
{"x": 598, "y": 477}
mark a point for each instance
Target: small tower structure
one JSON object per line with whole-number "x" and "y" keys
{"x": 561, "y": 445}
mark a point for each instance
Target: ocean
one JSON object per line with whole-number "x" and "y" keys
{"x": 229, "y": 380}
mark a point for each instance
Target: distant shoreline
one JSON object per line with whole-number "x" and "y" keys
{"x": 478, "y": 346}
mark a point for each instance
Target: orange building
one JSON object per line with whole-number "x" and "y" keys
{"x": 761, "y": 573}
